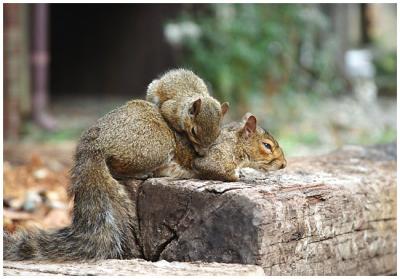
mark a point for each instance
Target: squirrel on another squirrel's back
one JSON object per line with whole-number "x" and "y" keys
{"x": 133, "y": 140}
{"x": 240, "y": 145}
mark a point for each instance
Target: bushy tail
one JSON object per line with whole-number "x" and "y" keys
{"x": 104, "y": 220}
{"x": 59, "y": 245}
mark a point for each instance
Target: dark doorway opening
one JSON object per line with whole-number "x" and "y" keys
{"x": 105, "y": 50}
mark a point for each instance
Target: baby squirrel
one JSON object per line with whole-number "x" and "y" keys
{"x": 186, "y": 105}
{"x": 240, "y": 145}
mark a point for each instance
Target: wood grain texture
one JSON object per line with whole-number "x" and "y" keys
{"x": 326, "y": 215}
{"x": 128, "y": 267}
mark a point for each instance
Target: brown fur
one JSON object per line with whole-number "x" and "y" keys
{"x": 186, "y": 105}
{"x": 240, "y": 145}
{"x": 139, "y": 143}
{"x": 130, "y": 141}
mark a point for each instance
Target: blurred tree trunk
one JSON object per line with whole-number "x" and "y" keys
{"x": 24, "y": 76}
{"x": 365, "y": 24}
{"x": 13, "y": 64}
{"x": 339, "y": 14}
{"x": 341, "y": 22}
{"x": 40, "y": 59}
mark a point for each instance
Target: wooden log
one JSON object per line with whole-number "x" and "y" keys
{"x": 128, "y": 267}
{"x": 326, "y": 215}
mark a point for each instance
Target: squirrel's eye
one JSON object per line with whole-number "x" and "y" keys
{"x": 267, "y": 146}
{"x": 193, "y": 132}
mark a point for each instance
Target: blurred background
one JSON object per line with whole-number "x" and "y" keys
{"x": 317, "y": 76}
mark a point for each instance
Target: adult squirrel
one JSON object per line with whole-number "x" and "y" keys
{"x": 240, "y": 145}
{"x": 139, "y": 143}
{"x": 186, "y": 105}
{"x": 130, "y": 141}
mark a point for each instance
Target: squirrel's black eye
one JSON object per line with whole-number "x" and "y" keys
{"x": 193, "y": 132}
{"x": 267, "y": 146}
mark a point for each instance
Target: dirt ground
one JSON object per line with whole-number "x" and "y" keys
{"x": 36, "y": 177}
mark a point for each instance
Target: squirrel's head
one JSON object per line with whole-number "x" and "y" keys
{"x": 202, "y": 122}
{"x": 175, "y": 84}
{"x": 196, "y": 113}
{"x": 262, "y": 150}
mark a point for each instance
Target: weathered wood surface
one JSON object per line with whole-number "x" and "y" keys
{"x": 327, "y": 215}
{"x": 332, "y": 214}
{"x": 128, "y": 267}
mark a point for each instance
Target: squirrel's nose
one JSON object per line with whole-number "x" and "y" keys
{"x": 283, "y": 165}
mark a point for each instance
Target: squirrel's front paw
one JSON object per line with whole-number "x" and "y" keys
{"x": 144, "y": 176}
{"x": 248, "y": 173}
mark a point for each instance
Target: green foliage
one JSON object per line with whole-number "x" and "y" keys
{"x": 386, "y": 69}
{"x": 250, "y": 49}
{"x": 32, "y": 132}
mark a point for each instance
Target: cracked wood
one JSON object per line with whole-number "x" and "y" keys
{"x": 327, "y": 215}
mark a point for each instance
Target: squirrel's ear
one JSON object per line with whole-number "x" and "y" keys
{"x": 224, "y": 108}
{"x": 195, "y": 108}
{"x": 246, "y": 116}
{"x": 250, "y": 126}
